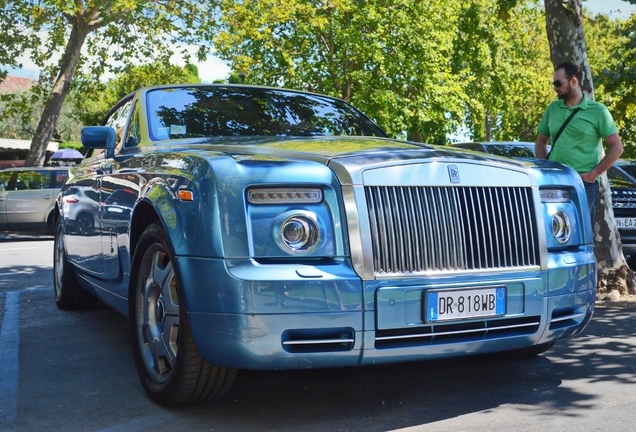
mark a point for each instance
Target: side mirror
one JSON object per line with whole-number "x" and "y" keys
{"x": 99, "y": 137}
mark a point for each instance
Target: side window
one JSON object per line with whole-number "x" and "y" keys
{"x": 58, "y": 178}
{"x": 117, "y": 121}
{"x": 4, "y": 180}
{"x": 32, "y": 180}
{"x": 133, "y": 138}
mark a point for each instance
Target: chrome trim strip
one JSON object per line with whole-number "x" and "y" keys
{"x": 430, "y": 273}
{"x": 567, "y": 317}
{"x": 433, "y": 335}
{"x": 318, "y": 341}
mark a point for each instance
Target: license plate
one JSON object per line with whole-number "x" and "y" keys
{"x": 626, "y": 223}
{"x": 461, "y": 304}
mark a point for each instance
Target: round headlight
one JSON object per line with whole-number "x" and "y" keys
{"x": 300, "y": 232}
{"x": 561, "y": 227}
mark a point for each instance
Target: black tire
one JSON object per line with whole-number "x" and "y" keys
{"x": 170, "y": 367}
{"x": 85, "y": 223}
{"x": 50, "y": 222}
{"x": 69, "y": 295}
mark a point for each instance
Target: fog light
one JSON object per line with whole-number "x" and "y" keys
{"x": 561, "y": 227}
{"x": 300, "y": 232}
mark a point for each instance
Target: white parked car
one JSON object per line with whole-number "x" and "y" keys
{"x": 27, "y": 197}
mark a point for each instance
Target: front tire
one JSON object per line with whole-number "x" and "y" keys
{"x": 171, "y": 368}
{"x": 69, "y": 295}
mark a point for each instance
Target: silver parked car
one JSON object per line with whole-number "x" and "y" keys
{"x": 81, "y": 208}
{"x": 27, "y": 197}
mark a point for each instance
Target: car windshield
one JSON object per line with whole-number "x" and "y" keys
{"x": 510, "y": 150}
{"x": 618, "y": 179}
{"x": 224, "y": 111}
{"x": 629, "y": 169}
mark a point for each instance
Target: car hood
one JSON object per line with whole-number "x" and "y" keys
{"x": 350, "y": 157}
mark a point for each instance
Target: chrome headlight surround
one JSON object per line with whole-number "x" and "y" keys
{"x": 297, "y": 231}
{"x": 561, "y": 227}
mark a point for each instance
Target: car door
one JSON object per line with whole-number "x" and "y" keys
{"x": 4, "y": 182}
{"x": 30, "y": 198}
{"x": 118, "y": 190}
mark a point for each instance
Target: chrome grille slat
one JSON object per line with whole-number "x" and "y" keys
{"x": 512, "y": 234}
{"x": 436, "y": 229}
{"x": 464, "y": 331}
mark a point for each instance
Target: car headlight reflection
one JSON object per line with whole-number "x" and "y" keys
{"x": 561, "y": 227}
{"x": 299, "y": 232}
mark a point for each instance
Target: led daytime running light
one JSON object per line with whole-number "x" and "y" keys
{"x": 284, "y": 196}
{"x": 554, "y": 195}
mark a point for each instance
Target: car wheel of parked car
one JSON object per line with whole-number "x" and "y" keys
{"x": 170, "y": 367}
{"x": 85, "y": 223}
{"x": 69, "y": 294}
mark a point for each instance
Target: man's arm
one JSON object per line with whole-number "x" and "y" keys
{"x": 614, "y": 151}
{"x": 541, "y": 146}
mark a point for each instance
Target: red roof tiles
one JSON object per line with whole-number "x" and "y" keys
{"x": 14, "y": 84}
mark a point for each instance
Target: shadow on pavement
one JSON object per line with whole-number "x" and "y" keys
{"x": 14, "y": 236}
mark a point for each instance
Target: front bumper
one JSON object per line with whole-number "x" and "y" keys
{"x": 251, "y": 316}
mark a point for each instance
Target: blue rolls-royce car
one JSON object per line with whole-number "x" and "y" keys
{"x": 242, "y": 227}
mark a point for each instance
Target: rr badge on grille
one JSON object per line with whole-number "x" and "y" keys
{"x": 453, "y": 174}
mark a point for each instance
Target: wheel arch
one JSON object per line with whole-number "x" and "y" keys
{"x": 144, "y": 215}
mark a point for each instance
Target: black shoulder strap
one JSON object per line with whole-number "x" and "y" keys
{"x": 565, "y": 123}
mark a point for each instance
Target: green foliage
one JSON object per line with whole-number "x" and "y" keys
{"x": 20, "y": 114}
{"x": 91, "y": 100}
{"x": 505, "y": 68}
{"x": 420, "y": 69}
{"x": 388, "y": 58}
{"x": 94, "y": 36}
{"x": 612, "y": 54}
{"x": 73, "y": 145}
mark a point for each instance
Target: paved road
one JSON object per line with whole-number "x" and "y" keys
{"x": 73, "y": 371}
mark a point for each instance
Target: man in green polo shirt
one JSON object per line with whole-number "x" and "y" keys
{"x": 579, "y": 144}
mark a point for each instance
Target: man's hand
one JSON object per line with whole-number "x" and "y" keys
{"x": 614, "y": 151}
{"x": 589, "y": 177}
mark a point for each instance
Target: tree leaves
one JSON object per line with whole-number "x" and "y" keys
{"x": 389, "y": 58}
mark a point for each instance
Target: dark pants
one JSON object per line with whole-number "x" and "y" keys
{"x": 592, "y": 190}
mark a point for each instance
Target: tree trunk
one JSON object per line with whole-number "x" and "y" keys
{"x": 488, "y": 126}
{"x": 564, "y": 25}
{"x": 53, "y": 105}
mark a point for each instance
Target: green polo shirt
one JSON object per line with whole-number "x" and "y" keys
{"x": 579, "y": 145}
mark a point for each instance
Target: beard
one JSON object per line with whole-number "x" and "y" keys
{"x": 566, "y": 93}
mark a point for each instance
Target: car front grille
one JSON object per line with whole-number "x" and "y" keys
{"x": 624, "y": 198}
{"x": 436, "y": 229}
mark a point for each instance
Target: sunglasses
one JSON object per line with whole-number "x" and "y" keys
{"x": 559, "y": 83}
